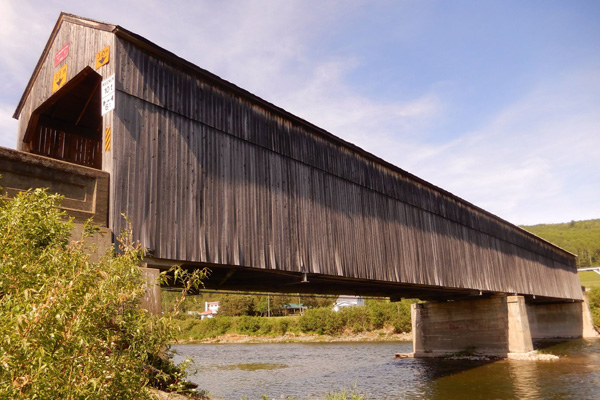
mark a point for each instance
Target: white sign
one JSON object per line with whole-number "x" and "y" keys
{"x": 108, "y": 94}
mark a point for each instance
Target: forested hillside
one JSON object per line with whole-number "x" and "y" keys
{"x": 578, "y": 237}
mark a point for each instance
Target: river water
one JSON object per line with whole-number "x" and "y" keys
{"x": 234, "y": 371}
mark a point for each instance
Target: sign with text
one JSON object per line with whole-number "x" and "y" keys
{"x": 60, "y": 78}
{"x": 102, "y": 57}
{"x": 61, "y": 54}
{"x": 108, "y": 94}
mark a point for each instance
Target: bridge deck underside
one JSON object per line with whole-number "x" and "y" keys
{"x": 250, "y": 279}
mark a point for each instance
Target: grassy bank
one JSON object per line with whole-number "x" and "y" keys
{"x": 594, "y": 299}
{"x": 590, "y": 279}
{"x": 381, "y": 318}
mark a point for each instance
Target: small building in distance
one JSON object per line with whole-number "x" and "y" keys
{"x": 348, "y": 301}
{"x": 211, "y": 308}
{"x": 293, "y": 308}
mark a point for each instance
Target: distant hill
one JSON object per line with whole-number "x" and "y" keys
{"x": 578, "y": 237}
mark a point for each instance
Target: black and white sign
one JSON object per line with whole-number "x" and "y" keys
{"x": 108, "y": 94}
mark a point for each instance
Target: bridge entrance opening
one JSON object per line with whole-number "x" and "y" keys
{"x": 68, "y": 126}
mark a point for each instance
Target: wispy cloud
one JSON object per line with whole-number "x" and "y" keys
{"x": 535, "y": 161}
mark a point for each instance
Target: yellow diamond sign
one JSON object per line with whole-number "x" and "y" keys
{"x": 60, "y": 78}
{"x": 102, "y": 57}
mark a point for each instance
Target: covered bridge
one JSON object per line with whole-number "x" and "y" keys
{"x": 212, "y": 175}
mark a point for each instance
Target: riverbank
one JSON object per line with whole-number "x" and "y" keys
{"x": 232, "y": 338}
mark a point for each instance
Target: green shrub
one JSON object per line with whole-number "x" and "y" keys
{"x": 355, "y": 319}
{"x": 380, "y": 313}
{"x": 387, "y": 314}
{"x": 247, "y": 325}
{"x": 189, "y": 323}
{"x": 267, "y": 326}
{"x": 69, "y": 327}
{"x": 201, "y": 329}
{"x": 323, "y": 321}
{"x": 223, "y": 324}
{"x": 401, "y": 320}
{"x": 284, "y": 325}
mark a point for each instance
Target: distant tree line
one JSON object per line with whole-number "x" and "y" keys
{"x": 578, "y": 237}
{"x": 231, "y": 304}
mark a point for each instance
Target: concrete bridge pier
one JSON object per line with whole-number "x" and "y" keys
{"x": 493, "y": 326}
{"x": 561, "y": 320}
{"x": 497, "y": 326}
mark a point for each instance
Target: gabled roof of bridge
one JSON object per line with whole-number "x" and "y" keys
{"x": 176, "y": 61}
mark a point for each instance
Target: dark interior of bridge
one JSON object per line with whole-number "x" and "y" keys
{"x": 68, "y": 126}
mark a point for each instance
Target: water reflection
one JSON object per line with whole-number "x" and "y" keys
{"x": 302, "y": 370}
{"x": 524, "y": 376}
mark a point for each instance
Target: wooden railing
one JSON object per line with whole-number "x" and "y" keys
{"x": 68, "y": 147}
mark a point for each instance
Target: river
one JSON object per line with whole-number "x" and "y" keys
{"x": 233, "y": 371}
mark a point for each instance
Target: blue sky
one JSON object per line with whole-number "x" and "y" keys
{"x": 497, "y": 102}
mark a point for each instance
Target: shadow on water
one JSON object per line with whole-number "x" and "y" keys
{"x": 450, "y": 379}
{"x": 574, "y": 375}
{"x": 433, "y": 369}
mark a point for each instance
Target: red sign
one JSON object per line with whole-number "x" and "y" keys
{"x": 61, "y": 54}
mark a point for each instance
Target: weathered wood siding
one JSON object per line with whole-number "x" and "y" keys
{"x": 211, "y": 174}
{"x": 84, "y": 43}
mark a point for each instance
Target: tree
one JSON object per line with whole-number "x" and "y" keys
{"x": 233, "y": 305}
{"x": 312, "y": 301}
{"x": 70, "y": 327}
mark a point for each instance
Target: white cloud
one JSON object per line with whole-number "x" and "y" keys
{"x": 536, "y": 161}
{"x": 384, "y": 128}
{"x": 24, "y": 30}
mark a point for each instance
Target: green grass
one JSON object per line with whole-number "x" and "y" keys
{"x": 589, "y": 279}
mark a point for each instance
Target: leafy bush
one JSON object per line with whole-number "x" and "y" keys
{"x": 401, "y": 320}
{"x": 380, "y": 313}
{"x": 356, "y": 319}
{"x": 284, "y": 325}
{"x": 268, "y": 326}
{"x": 248, "y": 325}
{"x": 70, "y": 327}
{"x": 323, "y": 321}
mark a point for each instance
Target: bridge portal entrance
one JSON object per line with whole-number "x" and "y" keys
{"x": 68, "y": 126}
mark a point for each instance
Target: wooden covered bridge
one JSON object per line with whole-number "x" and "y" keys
{"x": 212, "y": 175}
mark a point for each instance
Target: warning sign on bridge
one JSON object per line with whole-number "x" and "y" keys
{"x": 108, "y": 94}
{"x": 61, "y": 54}
{"x": 102, "y": 57}
{"x": 60, "y": 78}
